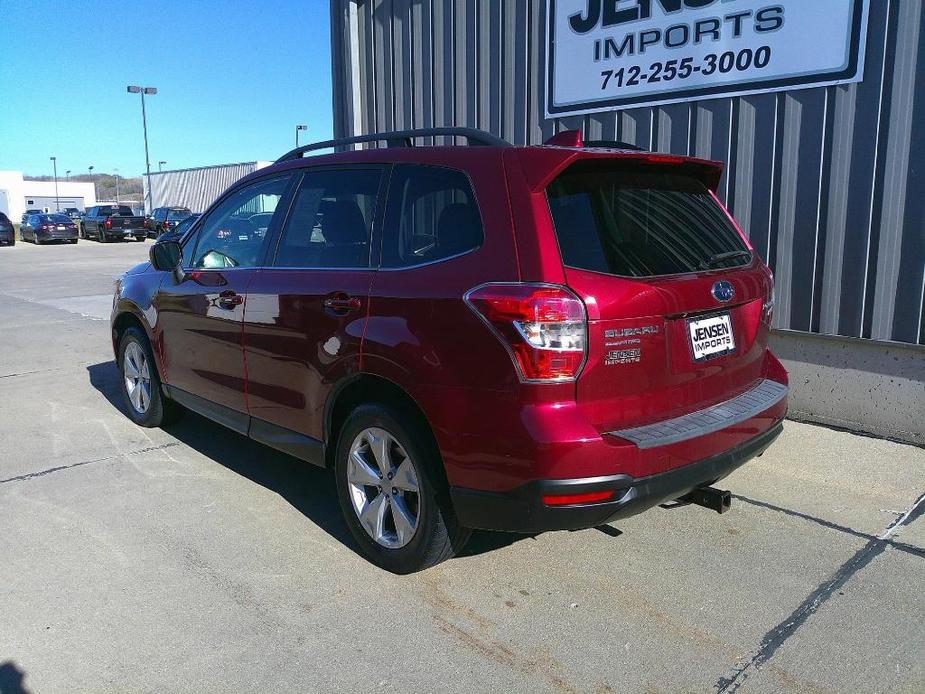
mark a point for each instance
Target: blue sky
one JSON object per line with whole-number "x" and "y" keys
{"x": 233, "y": 79}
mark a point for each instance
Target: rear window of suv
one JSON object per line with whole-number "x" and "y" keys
{"x": 641, "y": 223}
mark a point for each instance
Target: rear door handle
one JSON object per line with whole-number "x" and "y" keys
{"x": 229, "y": 299}
{"x": 343, "y": 303}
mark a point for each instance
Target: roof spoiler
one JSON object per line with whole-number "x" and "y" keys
{"x": 572, "y": 138}
{"x": 542, "y": 164}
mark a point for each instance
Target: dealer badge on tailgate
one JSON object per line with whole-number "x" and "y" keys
{"x": 711, "y": 337}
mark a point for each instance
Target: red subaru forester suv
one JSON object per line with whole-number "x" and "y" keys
{"x": 481, "y": 336}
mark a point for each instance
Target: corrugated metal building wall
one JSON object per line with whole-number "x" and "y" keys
{"x": 195, "y": 188}
{"x": 829, "y": 183}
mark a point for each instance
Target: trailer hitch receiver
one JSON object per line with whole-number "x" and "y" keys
{"x": 719, "y": 500}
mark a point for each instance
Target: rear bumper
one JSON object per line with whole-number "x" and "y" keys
{"x": 57, "y": 235}
{"x": 522, "y": 509}
{"x": 125, "y": 234}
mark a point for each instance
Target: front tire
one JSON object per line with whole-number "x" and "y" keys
{"x": 393, "y": 498}
{"x": 141, "y": 386}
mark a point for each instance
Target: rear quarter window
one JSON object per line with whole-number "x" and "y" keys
{"x": 431, "y": 215}
{"x": 641, "y": 223}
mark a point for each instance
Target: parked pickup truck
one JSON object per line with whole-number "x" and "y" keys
{"x": 110, "y": 222}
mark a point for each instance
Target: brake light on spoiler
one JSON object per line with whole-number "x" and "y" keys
{"x": 543, "y": 327}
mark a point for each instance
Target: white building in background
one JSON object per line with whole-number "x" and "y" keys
{"x": 18, "y": 195}
{"x": 195, "y": 188}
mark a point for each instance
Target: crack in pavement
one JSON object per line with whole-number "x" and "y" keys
{"x": 42, "y": 473}
{"x": 896, "y": 544}
{"x": 777, "y": 636}
{"x": 29, "y": 373}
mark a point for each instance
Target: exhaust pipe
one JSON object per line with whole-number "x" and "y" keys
{"x": 719, "y": 500}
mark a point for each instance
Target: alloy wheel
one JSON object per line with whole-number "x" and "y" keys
{"x": 383, "y": 488}
{"x": 137, "y": 375}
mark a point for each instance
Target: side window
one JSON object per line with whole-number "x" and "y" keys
{"x": 235, "y": 233}
{"x": 432, "y": 214}
{"x": 331, "y": 220}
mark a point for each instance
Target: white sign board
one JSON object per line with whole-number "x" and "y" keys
{"x": 609, "y": 54}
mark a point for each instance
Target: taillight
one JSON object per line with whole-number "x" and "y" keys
{"x": 543, "y": 326}
{"x": 166, "y": 226}
{"x": 767, "y": 309}
{"x": 147, "y": 224}
{"x": 108, "y": 223}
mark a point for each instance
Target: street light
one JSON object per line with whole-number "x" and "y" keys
{"x": 90, "y": 170}
{"x": 134, "y": 89}
{"x": 297, "y": 129}
{"x": 159, "y": 165}
{"x": 67, "y": 175}
{"x": 117, "y": 185}
{"x": 54, "y": 163}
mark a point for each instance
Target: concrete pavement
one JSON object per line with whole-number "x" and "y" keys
{"x": 192, "y": 559}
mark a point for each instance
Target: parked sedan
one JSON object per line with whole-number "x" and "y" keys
{"x": 39, "y": 228}
{"x": 7, "y": 233}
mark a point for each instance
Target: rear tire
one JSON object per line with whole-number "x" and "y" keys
{"x": 409, "y": 524}
{"x": 142, "y": 392}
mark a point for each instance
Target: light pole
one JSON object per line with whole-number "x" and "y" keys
{"x": 134, "y": 89}
{"x": 117, "y": 186}
{"x": 54, "y": 163}
{"x": 297, "y": 129}
{"x": 159, "y": 165}
{"x": 67, "y": 175}
{"x": 90, "y": 170}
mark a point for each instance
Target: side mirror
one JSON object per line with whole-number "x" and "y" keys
{"x": 167, "y": 256}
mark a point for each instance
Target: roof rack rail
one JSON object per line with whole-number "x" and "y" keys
{"x": 401, "y": 138}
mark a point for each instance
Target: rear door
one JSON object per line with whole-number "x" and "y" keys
{"x": 306, "y": 313}
{"x": 200, "y": 319}
{"x": 675, "y": 295}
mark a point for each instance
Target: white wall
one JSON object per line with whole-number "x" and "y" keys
{"x": 19, "y": 191}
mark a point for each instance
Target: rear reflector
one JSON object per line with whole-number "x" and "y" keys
{"x": 544, "y": 327}
{"x": 569, "y": 499}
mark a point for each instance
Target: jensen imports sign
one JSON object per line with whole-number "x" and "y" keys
{"x": 608, "y": 54}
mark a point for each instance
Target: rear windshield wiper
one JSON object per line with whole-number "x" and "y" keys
{"x": 720, "y": 257}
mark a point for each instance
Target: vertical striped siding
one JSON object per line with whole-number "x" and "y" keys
{"x": 195, "y": 188}
{"x": 828, "y": 183}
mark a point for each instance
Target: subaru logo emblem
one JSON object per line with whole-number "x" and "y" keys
{"x": 723, "y": 291}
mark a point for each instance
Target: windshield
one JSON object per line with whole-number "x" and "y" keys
{"x": 637, "y": 223}
{"x": 178, "y": 213}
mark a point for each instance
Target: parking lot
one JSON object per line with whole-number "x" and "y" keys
{"x": 194, "y": 559}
